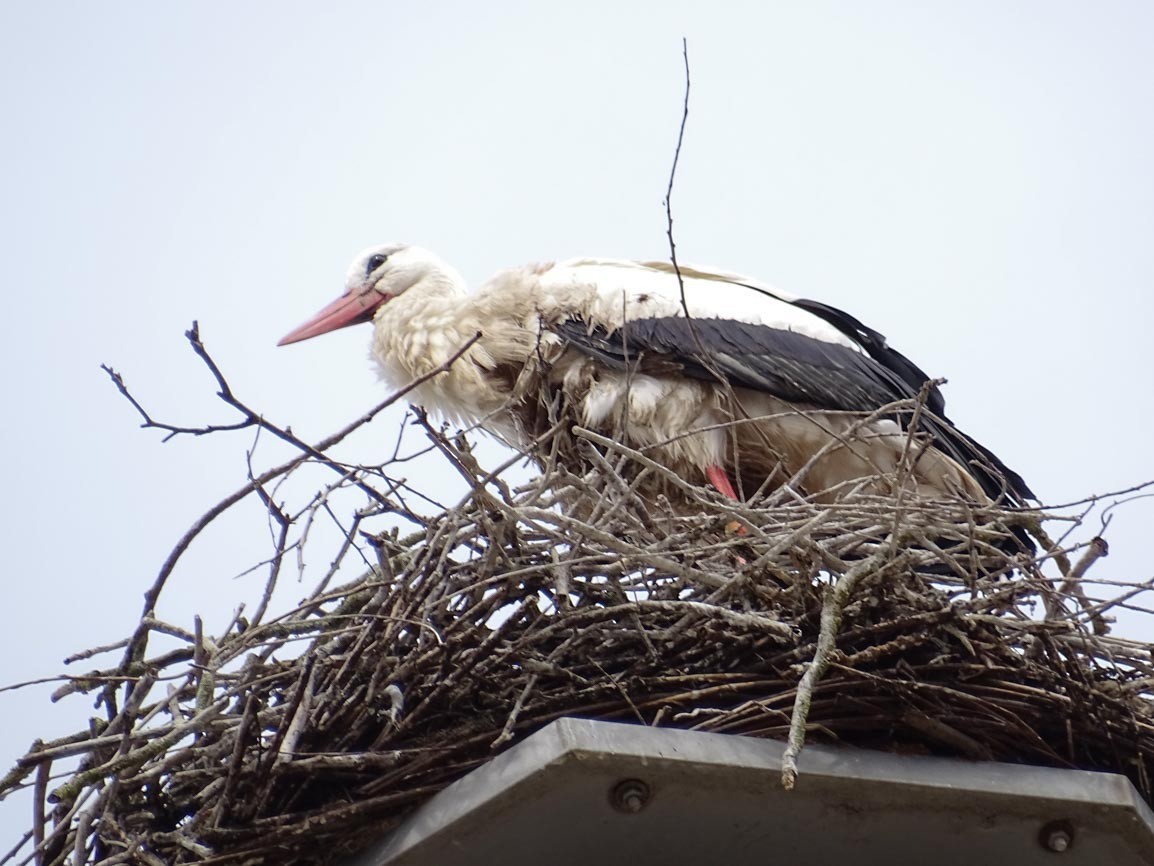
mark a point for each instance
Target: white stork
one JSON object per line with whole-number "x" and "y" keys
{"x": 610, "y": 343}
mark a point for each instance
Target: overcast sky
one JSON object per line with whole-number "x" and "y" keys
{"x": 972, "y": 179}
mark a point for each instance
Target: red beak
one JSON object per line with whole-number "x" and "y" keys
{"x": 348, "y": 309}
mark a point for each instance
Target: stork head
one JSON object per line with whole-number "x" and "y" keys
{"x": 377, "y": 275}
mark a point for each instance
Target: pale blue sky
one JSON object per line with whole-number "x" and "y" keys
{"x": 972, "y": 179}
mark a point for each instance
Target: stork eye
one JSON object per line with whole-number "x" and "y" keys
{"x": 374, "y": 262}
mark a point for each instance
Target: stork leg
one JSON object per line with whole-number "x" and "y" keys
{"x": 719, "y": 478}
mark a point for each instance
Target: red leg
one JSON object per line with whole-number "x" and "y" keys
{"x": 719, "y": 479}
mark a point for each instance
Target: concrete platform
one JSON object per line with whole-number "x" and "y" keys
{"x": 580, "y": 792}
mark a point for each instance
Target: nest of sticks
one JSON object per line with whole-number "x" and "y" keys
{"x": 434, "y": 637}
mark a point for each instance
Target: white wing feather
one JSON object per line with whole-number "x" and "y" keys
{"x": 622, "y": 290}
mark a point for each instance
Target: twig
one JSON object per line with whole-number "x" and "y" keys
{"x": 673, "y": 177}
{"x": 833, "y": 605}
{"x": 137, "y": 642}
{"x": 1097, "y": 549}
{"x": 136, "y": 757}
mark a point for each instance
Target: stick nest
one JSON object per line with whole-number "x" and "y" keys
{"x": 900, "y": 624}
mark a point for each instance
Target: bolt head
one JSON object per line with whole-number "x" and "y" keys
{"x": 1057, "y": 836}
{"x": 630, "y": 796}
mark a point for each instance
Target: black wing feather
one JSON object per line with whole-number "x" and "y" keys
{"x": 874, "y": 342}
